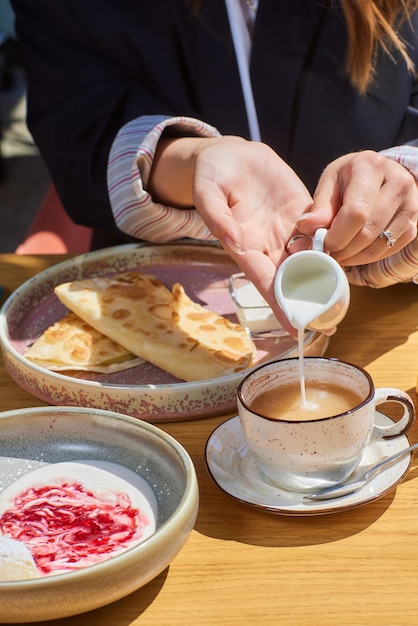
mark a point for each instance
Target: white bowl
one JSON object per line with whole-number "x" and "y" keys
{"x": 56, "y": 434}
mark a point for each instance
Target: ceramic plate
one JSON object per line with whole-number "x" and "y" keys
{"x": 233, "y": 468}
{"x": 144, "y": 391}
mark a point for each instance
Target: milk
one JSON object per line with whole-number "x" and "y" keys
{"x": 304, "y": 301}
{"x": 305, "y": 296}
{"x": 313, "y": 292}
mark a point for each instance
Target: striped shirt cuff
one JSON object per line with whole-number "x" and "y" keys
{"x": 129, "y": 166}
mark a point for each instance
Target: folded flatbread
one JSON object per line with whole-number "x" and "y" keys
{"x": 165, "y": 328}
{"x": 71, "y": 344}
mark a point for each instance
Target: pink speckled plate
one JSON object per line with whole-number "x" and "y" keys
{"x": 144, "y": 391}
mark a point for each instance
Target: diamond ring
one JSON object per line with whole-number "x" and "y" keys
{"x": 390, "y": 241}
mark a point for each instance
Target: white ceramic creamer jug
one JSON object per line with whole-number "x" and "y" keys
{"x": 311, "y": 288}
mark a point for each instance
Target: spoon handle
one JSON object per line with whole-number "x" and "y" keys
{"x": 351, "y": 487}
{"x": 374, "y": 469}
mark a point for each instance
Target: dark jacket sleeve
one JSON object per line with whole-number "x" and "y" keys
{"x": 86, "y": 80}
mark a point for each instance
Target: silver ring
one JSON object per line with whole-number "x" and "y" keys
{"x": 390, "y": 241}
{"x": 293, "y": 240}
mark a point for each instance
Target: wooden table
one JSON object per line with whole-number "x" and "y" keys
{"x": 244, "y": 566}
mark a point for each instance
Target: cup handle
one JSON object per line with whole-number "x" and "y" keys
{"x": 318, "y": 239}
{"x": 390, "y": 394}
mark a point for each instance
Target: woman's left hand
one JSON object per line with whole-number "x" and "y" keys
{"x": 359, "y": 196}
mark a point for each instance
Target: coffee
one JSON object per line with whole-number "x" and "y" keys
{"x": 323, "y": 399}
{"x": 305, "y": 451}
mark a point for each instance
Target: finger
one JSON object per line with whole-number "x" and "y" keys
{"x": 261, "y": 270}
{"x": 395, "y": 213}
{"x": 326, "y": 203}
{"x": 345, "y": 197}
{"x": 259, "y": 267}
{"x": 349, "y": 187}
{"x": 216, "y": 213}
{"x": 386, "y": 245}
{"x": 360, "y": 219}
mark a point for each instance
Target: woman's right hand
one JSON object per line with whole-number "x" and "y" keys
{"x": 359, "y": 197}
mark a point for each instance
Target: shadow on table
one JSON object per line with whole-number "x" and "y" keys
{"x": 122, "y": 612}
{"x": 247, "y": 524}
{"x": 373, "y": 323}
{"x": 269, "y": 530}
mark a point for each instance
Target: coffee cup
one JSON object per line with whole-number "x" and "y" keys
{"x": 312, "y": 288}
{"x": 319, "y": 444}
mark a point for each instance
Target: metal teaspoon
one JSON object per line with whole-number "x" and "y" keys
{"x": 351, "y": 487}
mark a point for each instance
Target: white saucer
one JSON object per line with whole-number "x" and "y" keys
{"x": 233, "y": 468}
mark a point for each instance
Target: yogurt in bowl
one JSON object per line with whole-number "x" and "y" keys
{"x": 36, "y": 444}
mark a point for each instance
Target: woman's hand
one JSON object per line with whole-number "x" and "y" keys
{"x": 359, "y": 196}
{"x": 250, "y": 199}
{"x": 245, "y": 193}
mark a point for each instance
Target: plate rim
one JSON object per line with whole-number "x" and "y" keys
{"x": 183, "y": 387}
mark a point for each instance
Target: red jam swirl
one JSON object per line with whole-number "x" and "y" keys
{"x": 67, "y": 527}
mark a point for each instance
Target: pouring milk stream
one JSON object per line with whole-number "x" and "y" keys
{"x": 313, "y": 292}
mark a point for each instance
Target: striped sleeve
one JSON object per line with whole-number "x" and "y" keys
{"x": 136, "y": 213}
{"x": 401, "y": 267}
{"x": 129, "y": 167}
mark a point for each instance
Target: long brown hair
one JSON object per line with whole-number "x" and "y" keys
{"x": 372, "y": 25}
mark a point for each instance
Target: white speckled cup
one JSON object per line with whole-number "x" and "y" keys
{"x": 307, "y": 455}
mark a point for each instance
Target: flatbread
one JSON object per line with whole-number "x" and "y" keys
{"x": 219, "y": 333}
{"x": 167, "y": 329}
{"x": 71, "y": 344}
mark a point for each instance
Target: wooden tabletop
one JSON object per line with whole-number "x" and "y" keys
{"x": 244, "y": 566}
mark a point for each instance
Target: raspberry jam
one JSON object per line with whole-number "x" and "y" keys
{"x": 67, "y": 526}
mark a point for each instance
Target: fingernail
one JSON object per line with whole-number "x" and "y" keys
{"x": 234, "y": 246}
{"x": 302, "y": 218}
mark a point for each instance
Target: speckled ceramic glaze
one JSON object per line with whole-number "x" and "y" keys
{"x": 234, "y": 469}
{"x": 32, "y": 437}
{"x": 144, "y": 391}
{"x": 307, "y": 455}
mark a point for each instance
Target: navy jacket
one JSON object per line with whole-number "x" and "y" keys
{"x": 94, "y": 65}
